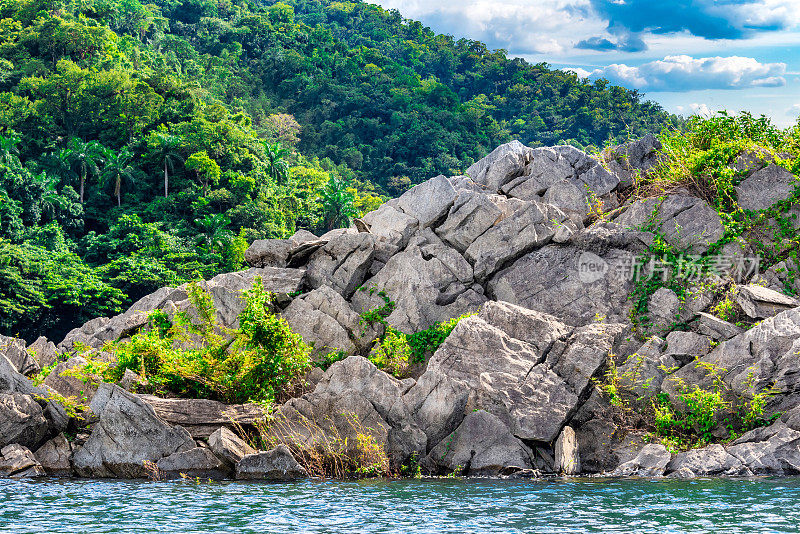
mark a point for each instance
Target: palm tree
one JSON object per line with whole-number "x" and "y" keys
{"x": 117, "y": 168}
{"x": 277, "y": 167}
{"x": 214, "y": 234}
{"x": 165, "y": 149}
{"x": 8, "y": 149}
{"x": 85, "y": 157}
{"x": 337, "y": 204}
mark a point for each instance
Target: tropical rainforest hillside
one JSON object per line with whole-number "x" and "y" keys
{"x": 146, "y": 145}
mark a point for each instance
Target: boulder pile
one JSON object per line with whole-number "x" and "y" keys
{"x": 543, "y": 247}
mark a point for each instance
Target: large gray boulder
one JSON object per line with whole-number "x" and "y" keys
{"x": 528, "y": 227}
{"x": 424, "y": 290}
{"x": 766, "y": 187}
{"x": 127, "y": 433}
{"x": 14, "y": 349}
{"x": 588, "y": 280}
{"x": 198, "y": 462}
{"x": 391, "y": 225}
{"x": 353, "y": 397}
{"x": 228, "y": 446}
{"x": 343, "y": 263}
{"x": 565, "y": 177}
{"x": 327, "y": 322}
{"x": 632, "y": 159}
{"x": 268, "y": 253}
{"x": 532, "y": 387}
{"x": 651, "y": 461}
{"x": 19, "y": 462}
{"x": 759, "y": 302}
{"x": 277, "y": 464}
{"x": 504, "y": 163}
{"x": 44, "y": 352}
{"x": 771, "y": 451}
{"x": 472, "y": 214}
{"x": 481, "y": 446}
{"x": 22, "y": 421}
{"x": 55, "y": 456}
{"x": 713, "y": 460}
{"x": 429, "y": 201}
{"x": 686, "y": 222}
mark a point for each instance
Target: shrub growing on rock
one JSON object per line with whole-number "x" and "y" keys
{"x": 196, "y": 357}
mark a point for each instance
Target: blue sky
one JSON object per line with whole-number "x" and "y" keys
{"x": 692, "y": 56}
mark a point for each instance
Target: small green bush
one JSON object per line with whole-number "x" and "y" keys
{"x": 253, "y": 363}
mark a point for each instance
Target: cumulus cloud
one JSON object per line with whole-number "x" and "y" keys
{"x": 554, "y": 27}
{"x": 711, "y": 19}
{"x": 696, "y": 109}
{"x": 625, "y": 43}
{"x": 685, "y": 73}
{"x": 522, "y": 26}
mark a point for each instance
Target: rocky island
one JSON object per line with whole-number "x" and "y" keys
{"x": 595, "y": 327}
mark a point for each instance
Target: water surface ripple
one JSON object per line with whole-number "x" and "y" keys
{"x": 413, "y": 506}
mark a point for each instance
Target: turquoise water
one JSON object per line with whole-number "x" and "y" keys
{"x": 78, "y": 506}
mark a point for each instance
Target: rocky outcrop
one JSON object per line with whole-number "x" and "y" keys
{"x": 22, "y": 420}
{"x": 544, "y": 249}
{"x": 127, "y": 433}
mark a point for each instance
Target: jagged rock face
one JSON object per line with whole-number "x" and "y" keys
{"x": 481, "y": 446}
{"x": 765, "y": 187}
{"x": 326, "y": 321}
{"x": 685, "y": 221}
{"x": 22, "y": 420}
{"x": 586, "y": 280}
{"x": 127, "y": 433}
{"x": 764, "y": 356}
{"x": 532, "y": 387}
{"x": 512, "y": 387}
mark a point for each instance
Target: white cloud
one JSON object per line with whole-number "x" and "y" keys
{"x": 549, "y": 27}
{"x": 794, "y": 111}
{"x": 685, "y": 73}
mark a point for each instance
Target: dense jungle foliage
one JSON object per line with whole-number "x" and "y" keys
{"x": 145, "y": 145}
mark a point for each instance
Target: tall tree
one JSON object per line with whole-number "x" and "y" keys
{"x": 277, "y": 166}
{"x": 9, "y": 152}
{"x": 165, "y": 148}
{"x": 206, "y": 169}
{"x": 337, "y": 204}
{"x": 117, "y": 168}
{"x": 85, "y": 158}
